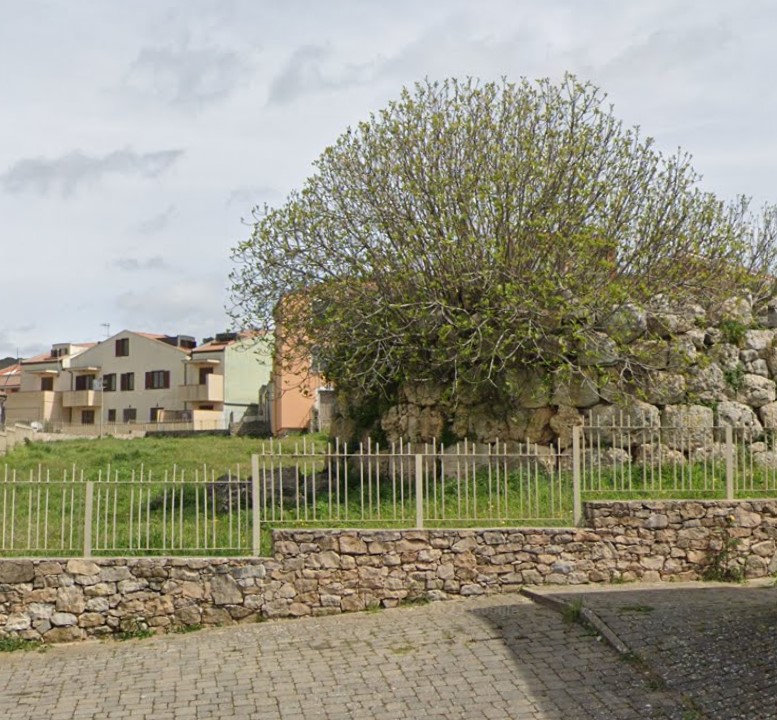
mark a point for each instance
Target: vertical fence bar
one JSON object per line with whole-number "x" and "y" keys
{"x": 88, "y": 499}
{"x": 577, "y": 501}
{"x": 729, "y": 463}
{"x": 256, "y": 537}
{"x": 419, "y": 491}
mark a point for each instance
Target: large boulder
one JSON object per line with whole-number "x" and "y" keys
{"x": 746, "y": 425}
{"x": 756, "y": 390}
{"x": 563, "y": 421}
{"x": 674, "y": 321}
{"x": 575, "y": 389}
{"x": 686, "y": 427}
{"x": 425, "y": 394}
{"x": 663, "y": 388}
{"x": 707, "y": 384}
{"x": 737, "y": 310}
{"x": 726, "y": 355}
{"x": 529, "y": 388}
{"x": 682, "y": 353}
{"x": 768, "y": 415}
{"x": 758, "y": 340}
{"x": 597, "y": 350}
{"x": 650, "y": 353}
{"x": 625, "y": 323}
{"x": 627, "y": 424}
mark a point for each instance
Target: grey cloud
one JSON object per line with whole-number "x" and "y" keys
{"x": 674, "y": 50}
{"x": 193, "y": 306}
{"x": 130, "y": 264}
{"x": 307, "y": 71}
{"x": 188, "y": 77}
{"x": 158, "y": 222}
{"x": 68, "y": 172}
{"x": 252, "y": 196}
{"x": 11, "y": 347}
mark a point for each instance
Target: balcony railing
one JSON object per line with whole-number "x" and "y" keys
{"x": 80, "y": 398}
{"x": 212, "y": 390}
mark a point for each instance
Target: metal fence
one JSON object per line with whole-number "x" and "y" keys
{"x": 399, "y": 486}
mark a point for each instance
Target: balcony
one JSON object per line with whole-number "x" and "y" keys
{"x": 80, "y": 399}
{"x": 31, "y": 405}
{"x": 211, "y": 391}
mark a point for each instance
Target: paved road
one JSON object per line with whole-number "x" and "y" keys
{"x": 716, "y": 646}
{"x": 491, "y": 658}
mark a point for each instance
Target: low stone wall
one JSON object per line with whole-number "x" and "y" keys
{"x": 13, "y": 435}
{"x": 324, "y": 572}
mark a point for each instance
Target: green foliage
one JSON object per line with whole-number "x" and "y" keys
{"x": 735, "y": 376}
{"x": 153, "y": 455}
{"x": 184, "y": 629}
{"x": 572, "y": 611}
{"x": 470, "y": 229}
{"x": 722, "y": 565}
{"x": 14, "y": 644}
{"x": 138, "y": 634}
{"x": 134, "y": 629}
{"x": 733, "y": 331}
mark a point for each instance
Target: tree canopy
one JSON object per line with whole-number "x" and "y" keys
{"x": 472, "y": 228}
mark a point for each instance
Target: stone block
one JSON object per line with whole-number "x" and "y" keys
{"x": 16, "y": 571}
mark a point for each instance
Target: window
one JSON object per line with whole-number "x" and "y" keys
{"x": 87, "y": 417}
{"x": 156, "y": 414}
{"x": 127, "y": 381}
{"x": 84, "y": 382}
{"x": 204, "y": 372}
{"x": 112, "y": 416}
{"x": 157, "y": 379}
{"x": 47, "y": 383}
{"x": 122, "y": 347}
{"x": 109, "y": 382}
{"x": 129, "y": 415}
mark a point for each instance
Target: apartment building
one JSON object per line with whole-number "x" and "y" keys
{"x": 223, "y": 377}
{"x": 10, "y": 380}
{"x": 131, "y": 377}
{"x": 143, "y": 378}
{"x": 42, "y": 381}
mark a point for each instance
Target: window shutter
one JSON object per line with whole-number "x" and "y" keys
{"x": 149, "y": 380}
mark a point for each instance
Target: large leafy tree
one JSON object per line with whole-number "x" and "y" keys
{"x": 471, "y": 229}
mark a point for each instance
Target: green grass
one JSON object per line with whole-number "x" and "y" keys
{"x": 156, "y": 519}
{"x": 155, "y": 456}
{"x": 14, "y": 644}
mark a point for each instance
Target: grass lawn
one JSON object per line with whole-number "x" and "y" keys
{"x": 153, "y": 455}
{"x": 154, "y": 517}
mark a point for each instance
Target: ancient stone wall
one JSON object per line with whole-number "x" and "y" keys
{"x": 323, "y": 572}
{"x": 658, "y": 368}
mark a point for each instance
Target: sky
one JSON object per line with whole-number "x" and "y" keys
{"x": 136, "y": 137}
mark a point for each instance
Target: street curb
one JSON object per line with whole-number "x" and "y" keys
{"x": 589, "y": 617}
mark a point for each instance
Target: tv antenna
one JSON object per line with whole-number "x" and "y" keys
{"x": 107, "y": 327}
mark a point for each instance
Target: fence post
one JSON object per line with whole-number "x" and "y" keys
{"x": 88, "y": 502}
{"x": 256, "y": 535}
{"x": 577, "y": 499}
{"x": 729, "y": 463}
{"x": 419, "y": 491}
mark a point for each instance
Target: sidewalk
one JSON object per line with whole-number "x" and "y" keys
{"x": 714, "y": 645}
{"x": 688, "y": 652}
{"x": 494, "y": 658}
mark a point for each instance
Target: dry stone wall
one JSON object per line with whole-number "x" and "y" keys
{"x": 713, "y": 366}
{"x": 321, "y": 572}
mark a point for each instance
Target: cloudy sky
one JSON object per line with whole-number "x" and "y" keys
{"x": 135, "y": 137}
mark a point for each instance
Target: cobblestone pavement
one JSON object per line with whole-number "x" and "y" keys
{"x": 497, "y": 657}
{"x": 713, "y": 645}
